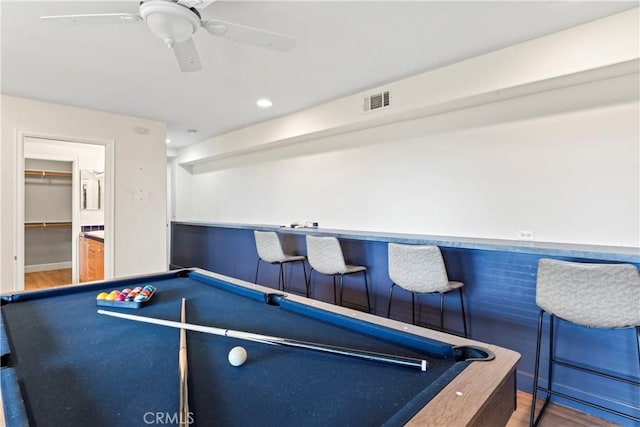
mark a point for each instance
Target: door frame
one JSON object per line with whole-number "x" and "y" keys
{"x": 109, "y": 217}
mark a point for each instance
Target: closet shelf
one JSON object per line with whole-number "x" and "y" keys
{"x": 46, "y": 224}
{"x": 47, "y": 174}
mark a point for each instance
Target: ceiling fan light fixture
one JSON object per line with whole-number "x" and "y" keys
{"x": 169, "y": 21}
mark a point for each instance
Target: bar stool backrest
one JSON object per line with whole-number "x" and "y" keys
{"x": 595, "y": 295}
{"x": 418, "y": 268}
{"x": 268, "y": 246}
{"x": 325, "y": 255}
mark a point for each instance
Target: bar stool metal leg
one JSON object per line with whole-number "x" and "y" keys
{"x": 413, "y": 308}
{"x": 393, "y": 285}
{"x": 281, "y": 276}
{"x": 257, "y": 269}
{"x": 536, "y": 371}
{"x": 309, "y": 282}
{"x": 552, "y": 358}
{"x": 533, "y": 420}
{"x": 366, "y": 287}
{"x": 304, "y": 271}
{"x": 638, "y": 341}
{"x": 464, "y": 316}
{"x": 442, "y": 311}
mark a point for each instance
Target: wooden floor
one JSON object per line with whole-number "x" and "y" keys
{"x": 555, "y": 415}
{"x": 46, "y": 279}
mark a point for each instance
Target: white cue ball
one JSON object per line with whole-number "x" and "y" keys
{"x": 237, "y": 356}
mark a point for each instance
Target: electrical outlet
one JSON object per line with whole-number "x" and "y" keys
{"x": 525, "y": 235}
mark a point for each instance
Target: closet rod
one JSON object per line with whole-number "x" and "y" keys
{"x": 44, "y": 174}
{"x": 46, "y": 224}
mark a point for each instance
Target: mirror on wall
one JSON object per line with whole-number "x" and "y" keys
{"x": 91, "y": 190}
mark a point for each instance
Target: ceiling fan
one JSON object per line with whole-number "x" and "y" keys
{"x": 175, "y": 21}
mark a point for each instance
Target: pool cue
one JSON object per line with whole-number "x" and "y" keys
{"x": 266, "y": 339}
{"x": 184, "y": 390}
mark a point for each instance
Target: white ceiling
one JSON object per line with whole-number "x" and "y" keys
{"x": 343, "y": 48}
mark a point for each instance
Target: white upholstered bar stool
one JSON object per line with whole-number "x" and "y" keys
{"x": 270, "y": 250}
{"x": 325, "y": 256}
{"x": 420, "y": 269}
{"x": 591, "y": 295}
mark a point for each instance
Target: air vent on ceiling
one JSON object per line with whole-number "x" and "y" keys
{"x": 377, "y": 101}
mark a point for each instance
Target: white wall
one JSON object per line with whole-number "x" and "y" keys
{"x": 183, "y": 191}
{"x": 139, "y": 186}
{"x": 572, "y": 176}
{"x": 542, "y": 136}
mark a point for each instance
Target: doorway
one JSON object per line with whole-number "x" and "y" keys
{"x": 59, "y": 202}
{"x": 48, "y": 220}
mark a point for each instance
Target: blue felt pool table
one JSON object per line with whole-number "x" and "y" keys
{"x": 65, "y": 364}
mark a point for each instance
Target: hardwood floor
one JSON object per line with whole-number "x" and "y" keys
{"x": 555, "y": 415}
{"x": 47, "y": 279}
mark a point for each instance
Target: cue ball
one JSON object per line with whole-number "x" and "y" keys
{"x": 237, "y": 356}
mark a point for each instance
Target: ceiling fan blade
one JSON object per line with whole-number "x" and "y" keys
{"x": 250, "y": 35}
{"x": 187, "y": 56}
{"x": 93, "y": 19}
{"x": 198, "y": 4}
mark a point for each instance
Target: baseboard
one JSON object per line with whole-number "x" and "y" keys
{"x": 46, "y": 267}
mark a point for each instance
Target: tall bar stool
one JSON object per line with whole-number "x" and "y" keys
{"x": 325, "y": 256}
{"x": 591, "y": 295}
{"x": 270, "y": 250}
{"x": 420, "y": 269}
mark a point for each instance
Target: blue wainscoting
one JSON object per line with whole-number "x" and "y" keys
{"x": 499, "y": 298}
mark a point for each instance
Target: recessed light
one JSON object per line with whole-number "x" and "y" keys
{"x": 168, "y": 141}
{"x": 264, "y": 103}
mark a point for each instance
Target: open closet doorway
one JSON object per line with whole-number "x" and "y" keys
{"x": 48, "y": 221}
{"x": 66, "y": 200}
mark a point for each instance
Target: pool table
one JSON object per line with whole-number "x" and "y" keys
{"x": 65, "y": 364}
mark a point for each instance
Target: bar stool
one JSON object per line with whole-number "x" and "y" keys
{"x": 591, "y": 295}
{"x": 420, "y": 269}
{"x": 325, "y": 256}
{"x": 270, "y": 250}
